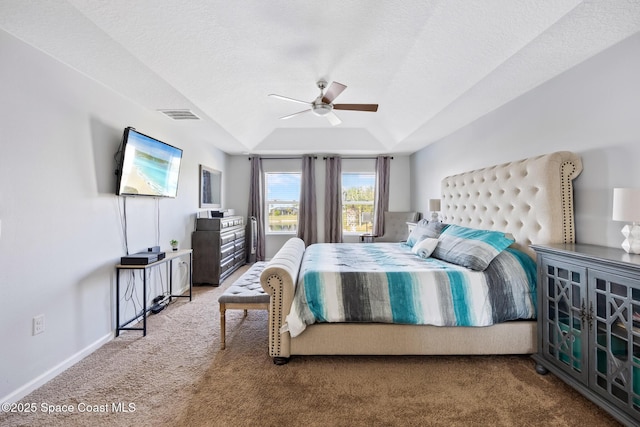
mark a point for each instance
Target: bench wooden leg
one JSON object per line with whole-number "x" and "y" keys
{"x": 222, "y": 326}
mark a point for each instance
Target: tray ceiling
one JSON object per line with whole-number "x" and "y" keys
{"x": 432, "y": 66}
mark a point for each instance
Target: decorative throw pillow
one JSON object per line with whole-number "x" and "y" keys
{"x": 425, "y": 229}
{"x": 470, "y": 247}
{"x": 425, "y": 248}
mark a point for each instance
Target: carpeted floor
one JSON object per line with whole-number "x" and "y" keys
{"x": 177, "y": 376}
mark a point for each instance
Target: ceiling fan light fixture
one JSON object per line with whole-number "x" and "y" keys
{"x": 322, "y": 109}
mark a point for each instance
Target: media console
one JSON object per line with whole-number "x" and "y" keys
{"x": 167, "y": 261}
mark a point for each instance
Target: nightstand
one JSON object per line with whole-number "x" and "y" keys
{"x": 411, "y": 226}
{"x": 366, "y": 238}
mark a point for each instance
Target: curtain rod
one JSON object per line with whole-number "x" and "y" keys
{"x": 355, "y": 158}
{"x": 279, "y": 158}
{"x": 315, "y": 157}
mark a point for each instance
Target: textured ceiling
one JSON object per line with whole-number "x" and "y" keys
{"x": 432, "y": 66}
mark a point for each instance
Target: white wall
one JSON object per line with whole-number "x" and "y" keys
{"x": 61, "y": 230}
{"x": 238, "y": 187}
{"x": 593, "y": 110}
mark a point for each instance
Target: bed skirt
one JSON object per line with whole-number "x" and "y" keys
{"x": 517, "y": 337}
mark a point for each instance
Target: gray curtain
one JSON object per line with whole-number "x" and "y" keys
{"x": 333, "y": 200}
{"x": 381, "y": 202}
{"x": 307, "y": 216}
{"x": 256, "y": 204}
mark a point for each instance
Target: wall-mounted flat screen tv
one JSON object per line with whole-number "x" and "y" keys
{"x": 148, "y": 167}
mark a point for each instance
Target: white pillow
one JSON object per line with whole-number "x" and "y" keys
{"x": 425, "y": 247}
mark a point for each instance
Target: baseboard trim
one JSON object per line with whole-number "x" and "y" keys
{"x": 56, "y": 370}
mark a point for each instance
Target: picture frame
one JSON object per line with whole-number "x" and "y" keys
{"x": 210, "y": 188}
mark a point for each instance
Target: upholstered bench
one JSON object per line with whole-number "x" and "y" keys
{"x": 246, "y": 293}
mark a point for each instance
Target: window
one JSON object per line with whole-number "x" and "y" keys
{"x": 357, "y": 202}
{"x": 283, "y": 201}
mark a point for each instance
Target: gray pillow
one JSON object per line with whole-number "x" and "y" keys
{"x": 425, "y": 229}
{"x": 470, "y": 247}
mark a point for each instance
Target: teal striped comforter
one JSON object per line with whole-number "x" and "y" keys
{"x": 385, "y": 282}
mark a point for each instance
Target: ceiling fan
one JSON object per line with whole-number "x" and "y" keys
{"x": 323, "y": 105}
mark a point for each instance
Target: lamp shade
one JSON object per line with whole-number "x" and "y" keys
{"x": 434, "y": 205}
{"x": 626, "y": 204}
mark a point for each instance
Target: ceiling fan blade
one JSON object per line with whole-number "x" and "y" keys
{"x": 356, "y": 107}
{"x": 295, "y": 114}
{"x": 332, "y": 93}
{"x": 286, "y": 98}
{"x": 333, "y": 119}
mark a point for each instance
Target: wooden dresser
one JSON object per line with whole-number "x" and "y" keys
{"x": 218, "y": 249}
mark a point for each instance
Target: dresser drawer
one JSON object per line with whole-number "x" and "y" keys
{"x": 227, "y": 238}
{"x": 226, "y": 251}
{"x": 227, "y": 264}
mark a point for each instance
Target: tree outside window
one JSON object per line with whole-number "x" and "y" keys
{"x": 358, "y": 191}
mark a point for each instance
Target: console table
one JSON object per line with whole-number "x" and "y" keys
{"x": 589, "y": 324}
{"x": 168, "y": 262}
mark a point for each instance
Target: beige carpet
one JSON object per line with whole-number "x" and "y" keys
{"x": 177, "y": 376}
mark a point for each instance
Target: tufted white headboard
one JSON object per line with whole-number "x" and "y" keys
{"x": 532, "y": 199}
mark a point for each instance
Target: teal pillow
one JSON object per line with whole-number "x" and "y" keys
{"x": 470, "y": 247}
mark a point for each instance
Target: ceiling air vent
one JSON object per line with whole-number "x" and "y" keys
{"x": 180, "y": 114}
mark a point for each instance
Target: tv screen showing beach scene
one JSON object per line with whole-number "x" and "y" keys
{"x": 149, "y": 167}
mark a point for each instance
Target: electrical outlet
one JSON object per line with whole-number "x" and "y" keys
{"x": 38, "y": 324}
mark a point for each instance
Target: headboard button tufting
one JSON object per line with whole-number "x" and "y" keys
{"x": 530, "y": 198}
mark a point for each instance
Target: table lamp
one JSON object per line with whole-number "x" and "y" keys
{"x": 434, "y": 207}
{"x": 626, "y": 207}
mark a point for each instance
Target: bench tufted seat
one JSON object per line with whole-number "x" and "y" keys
{"x": 246, "y": 293}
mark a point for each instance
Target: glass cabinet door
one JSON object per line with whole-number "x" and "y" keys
{"x": 565, "y": 331}
{"x": 616, "y": 354}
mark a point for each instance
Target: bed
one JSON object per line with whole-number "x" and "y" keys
{"x": 529, "y": 201}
